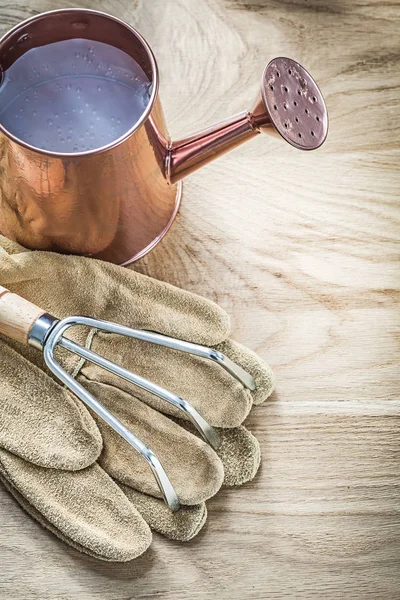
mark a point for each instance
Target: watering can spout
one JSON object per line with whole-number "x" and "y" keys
{"x": 289, "y": 105}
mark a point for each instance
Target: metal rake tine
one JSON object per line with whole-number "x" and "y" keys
{"x": 158, "y": 470}
{"x": 208, "y": 432}
{"x": 169, "y": 342}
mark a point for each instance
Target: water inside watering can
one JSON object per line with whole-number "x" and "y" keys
{"x": 73, "y": 96}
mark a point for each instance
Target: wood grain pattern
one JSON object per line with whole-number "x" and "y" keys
{"x": 17, "y": 316}
{"x": 302, "y": 250}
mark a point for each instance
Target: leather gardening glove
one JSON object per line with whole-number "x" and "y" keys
{"x": 67, "y": 467}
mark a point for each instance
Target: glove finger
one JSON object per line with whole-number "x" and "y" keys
{"x": 40, "y": 421}
{"x": 67, "y": 285}
{"x": 182, "y": 525}
{"x": 253, "y": 364}
{"x": 239, "y": 453}
{"x": 86, "y": 509}
{"x": 193, "y": 468}
{"x": 218, "y": 397}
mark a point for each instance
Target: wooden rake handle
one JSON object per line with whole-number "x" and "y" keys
{"x": 17, "y": 315}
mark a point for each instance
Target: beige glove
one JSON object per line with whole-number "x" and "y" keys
{"x": 67, "y": 468}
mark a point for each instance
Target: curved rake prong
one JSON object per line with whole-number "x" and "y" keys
{"x": 208, "y": 432}
{"x": 159, "y": 473}
{"x": 169, "y": 342}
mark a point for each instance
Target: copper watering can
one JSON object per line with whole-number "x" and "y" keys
{"x": 116, "y": 202}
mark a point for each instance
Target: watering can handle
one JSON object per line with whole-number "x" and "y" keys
{"x": 17, "y": 315}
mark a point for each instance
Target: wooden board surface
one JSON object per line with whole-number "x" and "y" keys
{"x": 302, "y": 250}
